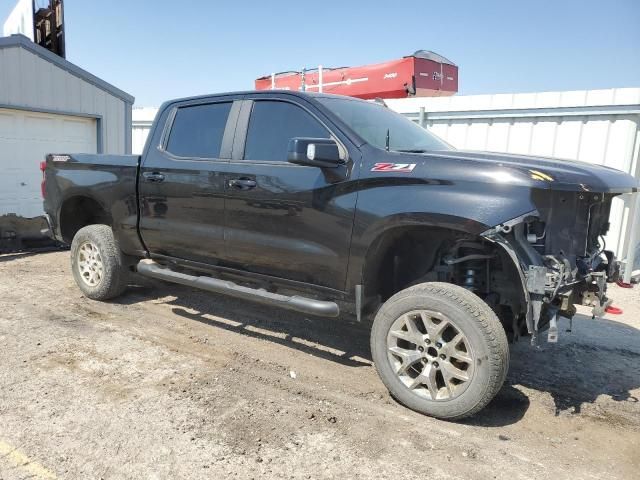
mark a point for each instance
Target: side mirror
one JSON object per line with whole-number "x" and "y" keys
{"x": 314, "y": 152}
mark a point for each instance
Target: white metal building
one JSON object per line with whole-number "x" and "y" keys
{"x": 49, "y": 105}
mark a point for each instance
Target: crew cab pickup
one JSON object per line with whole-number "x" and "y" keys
{"x": 333, "y": 206}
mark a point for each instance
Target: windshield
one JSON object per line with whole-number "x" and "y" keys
{"x": 382, "y": 127}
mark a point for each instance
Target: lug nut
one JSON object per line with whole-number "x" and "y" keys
{"x": 421, "y": 349}
{"x": 439, "y": 345}
{"x": 435, "y": 364}
{"x": 443, "y": 356}
{"x": 427, "y": 341}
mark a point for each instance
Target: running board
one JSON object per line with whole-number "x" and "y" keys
{"x": 149, "y": 268}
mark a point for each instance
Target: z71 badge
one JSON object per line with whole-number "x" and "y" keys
{"x": 394, "y": 167}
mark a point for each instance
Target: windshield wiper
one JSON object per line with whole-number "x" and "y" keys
{"x": 409, "y": 150}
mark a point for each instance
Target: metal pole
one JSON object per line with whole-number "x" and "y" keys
{"x": 421, "y": 118}
{"x": 634, "y": 237}
{"x": 320, "y": 78}
{"x": 302, "y": 80}
{"x": 634, "y": 209}
{"x": 273, "y": 81}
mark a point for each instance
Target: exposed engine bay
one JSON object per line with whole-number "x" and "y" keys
{"x": 562, "y": 259}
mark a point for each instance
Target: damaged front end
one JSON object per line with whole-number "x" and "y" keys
{"x": 562, "y": 256}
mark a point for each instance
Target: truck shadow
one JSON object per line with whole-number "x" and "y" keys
{"x": 304, "y": 334}
{"x": 600, "y": 357}
{"x": 7, "y": 257}
{"x": 339, "y": 340}
{"x": 597, "y": 363}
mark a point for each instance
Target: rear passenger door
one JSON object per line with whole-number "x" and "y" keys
{"x": 182, "y": 180}
{"x": 286, "y": 220}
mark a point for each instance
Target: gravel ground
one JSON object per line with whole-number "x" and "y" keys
{"x": 169, "y": 382}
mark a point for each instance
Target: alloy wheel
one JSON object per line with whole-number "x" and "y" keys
{"x": 90, "y": 264}
{"x": 430, "y": 355}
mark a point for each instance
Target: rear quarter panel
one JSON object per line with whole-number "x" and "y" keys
{"x": 110, "y": 180}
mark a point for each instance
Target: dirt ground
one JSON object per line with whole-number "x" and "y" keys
{"x": 169, "y": 382}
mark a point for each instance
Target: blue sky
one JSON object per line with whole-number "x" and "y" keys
{"x": 163, "y": 49}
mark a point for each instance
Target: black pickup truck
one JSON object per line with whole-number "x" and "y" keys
{"x": 333, "y": 206}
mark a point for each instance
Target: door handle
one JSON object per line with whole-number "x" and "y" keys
{"x": 153, "y": 177}
{"x": 243, "y": 183}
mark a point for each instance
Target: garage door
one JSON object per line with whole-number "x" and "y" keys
{"x": 25, "y": 139}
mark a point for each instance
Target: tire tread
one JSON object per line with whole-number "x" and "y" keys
{"x": 116, "y": 275}
{"x": 488, "y": 322}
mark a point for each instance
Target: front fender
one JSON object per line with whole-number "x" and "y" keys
{"x": 385, "y": 204}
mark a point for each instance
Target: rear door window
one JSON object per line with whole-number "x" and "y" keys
{"x": 273, "y": 124}
{"x": 197, "y": 130}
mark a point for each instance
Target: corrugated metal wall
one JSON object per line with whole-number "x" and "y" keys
{"x": 27, "y": 80}
{"x": 594, "y": 126}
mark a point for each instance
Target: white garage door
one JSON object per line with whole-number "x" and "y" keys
{"x": 25, "y": 138}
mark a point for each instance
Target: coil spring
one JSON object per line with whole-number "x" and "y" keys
{"x": 470, "y": 279}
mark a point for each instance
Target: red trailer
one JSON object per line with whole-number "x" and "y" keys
{"x": 423, "y": 74}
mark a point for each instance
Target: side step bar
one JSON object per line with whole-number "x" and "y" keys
{"x": 149, "y": 268}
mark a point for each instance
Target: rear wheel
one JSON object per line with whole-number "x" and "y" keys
{"x": 97, "y": 263}
{"x": 440, "y": 350}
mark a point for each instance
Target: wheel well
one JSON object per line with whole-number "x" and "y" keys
{"x": 400, "y": 256}
{"x": 405, "y": 256}
{"x": 78, "y": 212}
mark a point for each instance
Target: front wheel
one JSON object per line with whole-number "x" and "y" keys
{"x": 97, "y": 263}
{"x": 440, "y": 350}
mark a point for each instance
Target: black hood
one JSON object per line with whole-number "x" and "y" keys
{"x": 537, "y": 172}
